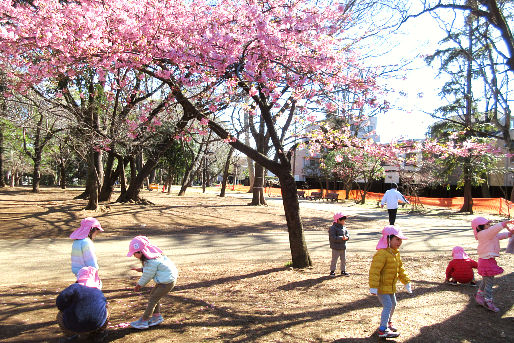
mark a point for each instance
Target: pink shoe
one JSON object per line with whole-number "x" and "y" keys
{"x": 490, "y": 305}
{"x": 480, "y": 299}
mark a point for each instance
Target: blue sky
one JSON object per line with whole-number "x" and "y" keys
{"x": 409, "y": 116}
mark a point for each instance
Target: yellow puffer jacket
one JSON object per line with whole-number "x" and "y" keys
{"x": 386, "y": 268}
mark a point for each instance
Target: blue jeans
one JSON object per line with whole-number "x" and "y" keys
{"x": 388, "y": 302}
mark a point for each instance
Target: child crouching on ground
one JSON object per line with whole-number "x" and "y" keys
{"x": 83, "y": 308}
{"x": 460, "y": 269}
{"x": 158, "y": 267}
{"x": 386, "y": 268}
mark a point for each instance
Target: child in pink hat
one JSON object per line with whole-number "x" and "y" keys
{"x": 488, "y": 249}
{"x": 83, "y": 249}
{"x": 158, "y": 267}
{"x": 83, "y": 311}
{"x": 460, "y": 269}
{"x": 338, "y": 236}
{"x": 385, "y": 270}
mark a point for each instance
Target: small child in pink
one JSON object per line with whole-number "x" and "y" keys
{"x": 488, "y": 249}
{"x": 460, "y": 269}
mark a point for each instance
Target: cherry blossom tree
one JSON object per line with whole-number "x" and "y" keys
{"x": 279, "y": 54}
{"x": 480, "y": 155}
{"x": 359, "y": 158}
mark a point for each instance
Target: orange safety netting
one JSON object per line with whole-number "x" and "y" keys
{"x": 489, "y": 205}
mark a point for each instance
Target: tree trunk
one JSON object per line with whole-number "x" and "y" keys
{"x": 347, "y": 189}
{"x": 123, "y": 180}
{"x": 151, "y": 177}
{"x": 299, "y": 253}
{"x": 92, "y": 182}
{"x": 204, "y": 173}
{"x": 169, "y": 181}
{"x": 133, "y": 170}
{"x": 258, "y": 186}
{"x": 136, "y": 182}
{"x": 108, "y": 181}
{"x": 62, "y": 175}
{"x": 110, "y": 177}
{"x": 36, "y": 174}
{"x": 84, "y": 195}
{"x": 186, "y": 179}
{"x": 467, "y": 206}
{"x": 99, "y": 168}
{"x": 3, "y": 114}
{"x": 225, "y": 172}
{"x": 251, "y": 174}
{"x": 2, "y": 182}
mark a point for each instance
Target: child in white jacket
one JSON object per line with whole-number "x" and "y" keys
{"x": 158, "y": 267}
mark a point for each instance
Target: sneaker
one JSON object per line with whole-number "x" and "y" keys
{"x": 332, "y": 273}
{"x": 453, "y": 283}
{"x": 140, "y": 324}
{"x": 344, "y": 273}
{"x": 473, "y": 284}
{"x": 479, "y": 299}
{"x": 387, "y": 334}
{"x": 391, "y": 327}
{"x": 488, "y": 304}
{"x": 155, "y": 320}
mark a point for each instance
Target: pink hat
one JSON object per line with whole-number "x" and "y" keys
{"x": 88, "y": 276}
{"x": 389, "y": 230}
{"x": 141, "y": 243}
{"x": 338, "y": 216}
{"x": 458, "y": 253}
{"x": 476, "y": 222}
{"x": 85, "y": 226}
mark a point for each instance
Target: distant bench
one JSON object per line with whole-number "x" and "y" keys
{"x": 332, "y": 197}
{"x": 315, "y": 196}
{"x": 153, "y": 186}
{"x": 301, "y": 194}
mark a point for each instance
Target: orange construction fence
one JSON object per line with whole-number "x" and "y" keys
{"x": 489, "y": 205}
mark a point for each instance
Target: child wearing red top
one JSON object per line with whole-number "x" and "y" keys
{"x": 460, "y": 269}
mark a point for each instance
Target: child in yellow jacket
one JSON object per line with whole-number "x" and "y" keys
{"x": 385, "y": 270}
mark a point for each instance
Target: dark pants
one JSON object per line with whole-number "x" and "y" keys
{"x": 69, "y": 333}
{"x": 392, "y": 215}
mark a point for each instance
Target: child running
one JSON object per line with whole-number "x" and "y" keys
{"x": 158, "y": 267}
{"x": 488, "y": 249}
{"x": 338, "y": 235}
{"x": 460, "y": 269}
{"x": 83, "y": 250}
{"x": 386, "y": 268}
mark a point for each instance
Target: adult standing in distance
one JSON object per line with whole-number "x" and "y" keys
{"x": 391, "y": 198}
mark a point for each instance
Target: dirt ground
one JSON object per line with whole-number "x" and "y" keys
{"x": 241, "y": 299}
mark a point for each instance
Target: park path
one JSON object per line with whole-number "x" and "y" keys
{"x": 25, "y": 260}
